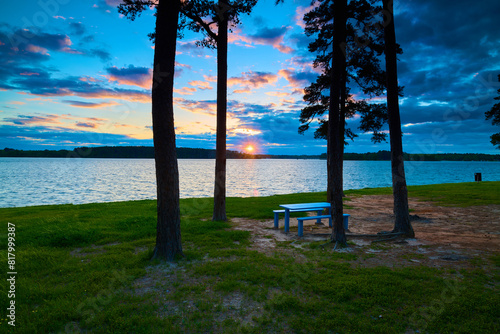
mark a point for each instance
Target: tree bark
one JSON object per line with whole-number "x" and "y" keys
{"x": 168, "y": 233}
{"x": 336, "y": 141}
{"x": 220, "y": 155}
{"x": 402, "y": 221}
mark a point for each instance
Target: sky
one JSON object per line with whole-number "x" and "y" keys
{"x": 77, "y": 73}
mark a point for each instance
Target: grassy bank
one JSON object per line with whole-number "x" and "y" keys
{"x": 86, "y": 268}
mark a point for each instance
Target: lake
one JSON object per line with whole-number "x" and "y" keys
{"x": 40, "y": 181}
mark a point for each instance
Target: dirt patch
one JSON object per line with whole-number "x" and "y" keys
{"x": 444, "y": 236}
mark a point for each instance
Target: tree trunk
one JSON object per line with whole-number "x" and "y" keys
{"x": 220, "y": 155}
{"x": 343, "y": 98}
{"x": 336, "y": 142}
{"x": 168, "y": 233}
{"x": 402, "y": 222}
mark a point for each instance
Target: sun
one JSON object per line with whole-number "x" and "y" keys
{"x": 249, "y": 148}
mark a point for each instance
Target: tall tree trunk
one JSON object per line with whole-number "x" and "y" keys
{"x": 168, "y": 232}
{"x": 343, "y": 98}
{"x": 402, "y": 222}
{"x": 220, "y": 155}
{"x": 336, "y": 142}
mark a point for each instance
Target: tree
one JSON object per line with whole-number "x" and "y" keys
{"x": 202, "y": 14}
{"x": 335, "y": 132}
{"x": 168, "y": 233}
{"x": 402, "y": 222}
{"x": 494, "y": 115}
{"x": 360, "y": 65}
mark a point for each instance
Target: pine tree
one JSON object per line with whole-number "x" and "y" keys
{"x": 402, "y": 222}
{"x": 168, "y": 232}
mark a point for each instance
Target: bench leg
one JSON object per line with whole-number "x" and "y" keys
{"x": 301, "y": 228}
{"x": 287, "y": 220}
{"x": 346, "y": 222}
{"x": 276, "y": 220}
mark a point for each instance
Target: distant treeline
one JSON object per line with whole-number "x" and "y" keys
{"x": 139, "y": 152}
{"x": 386, "y": 155}
{"x": 147, "y": 152}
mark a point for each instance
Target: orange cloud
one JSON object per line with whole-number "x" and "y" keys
{"x": 37, "y": 49}
{"x": 242, "y": 91}
{"x": 211, "y": 78}
{"x": 185, "y": 90}
{"x": 199, "y": 107}
{"x": 194, "y": 128}
{"x": 132, "y": 76}
{"x": 236, "y": 37}
{"x": 301, "y": 11}
{"x": 253, "y": 79}
{"x": 203, "y": 85}
{"x": 278, "y": 94}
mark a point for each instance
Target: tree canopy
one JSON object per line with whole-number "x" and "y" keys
{"x": 494, "y": 115}
{"x": 363, "y": 48}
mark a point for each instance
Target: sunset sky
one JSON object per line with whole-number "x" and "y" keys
{"x": 76, "y": 73}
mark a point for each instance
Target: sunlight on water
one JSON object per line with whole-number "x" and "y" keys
{"x": 38, "y": 181}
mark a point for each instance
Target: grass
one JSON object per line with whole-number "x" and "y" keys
{"x": 87, "y": 268}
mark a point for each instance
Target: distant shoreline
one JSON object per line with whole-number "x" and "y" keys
{"x": 147, "y": 152}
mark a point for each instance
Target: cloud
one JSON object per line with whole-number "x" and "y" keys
{"x": 64, "y": 121}
{"x": 44, "y": 85}
{"x": 86, "y": 125}
{"x": 253, "y": 80}
{"x": 29, "y": 119}
{"x": 211, "y": 78}
{"x": 203, "y": 85}
{"x": 208, "y": 107}
{"x": 31, "y": 137}
{"x": 99, "y": 53}
{"x": 298, "y": 80}
{"x": 278, "y": 94}
{"x": 131, "y": 75}
{"x": 83, "y": 104}
{"x": 185, "y": 90}
{"x": 77, "y": 28}
{"x": 272, "y": 36}
{"x": 301, "y": 11}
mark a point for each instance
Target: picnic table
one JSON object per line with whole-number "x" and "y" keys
{"x": 305, "y": 207}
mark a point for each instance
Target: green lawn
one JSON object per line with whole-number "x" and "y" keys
{"x": 87, "y": 268}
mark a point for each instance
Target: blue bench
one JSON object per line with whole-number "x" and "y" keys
{"x": 277, "y": 212}
{"x": 301, "y": 222}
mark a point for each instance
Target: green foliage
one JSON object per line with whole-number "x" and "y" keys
{"x": 494, "y": 115}
{"x": 362, "y": 50}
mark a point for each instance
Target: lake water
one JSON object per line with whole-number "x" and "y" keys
{"x": 39, "y": 181}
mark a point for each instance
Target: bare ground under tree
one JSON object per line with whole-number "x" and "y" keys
{"x": 445, "y": 236}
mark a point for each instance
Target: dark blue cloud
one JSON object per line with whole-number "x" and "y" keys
{"x": 77, "y": 28}
{"x": 127, "y": 72}
{"x": 38, "y": 137}
{"x": 269, "y": 34}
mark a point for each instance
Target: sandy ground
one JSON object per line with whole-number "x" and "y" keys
{"x": 443, "y": 235}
